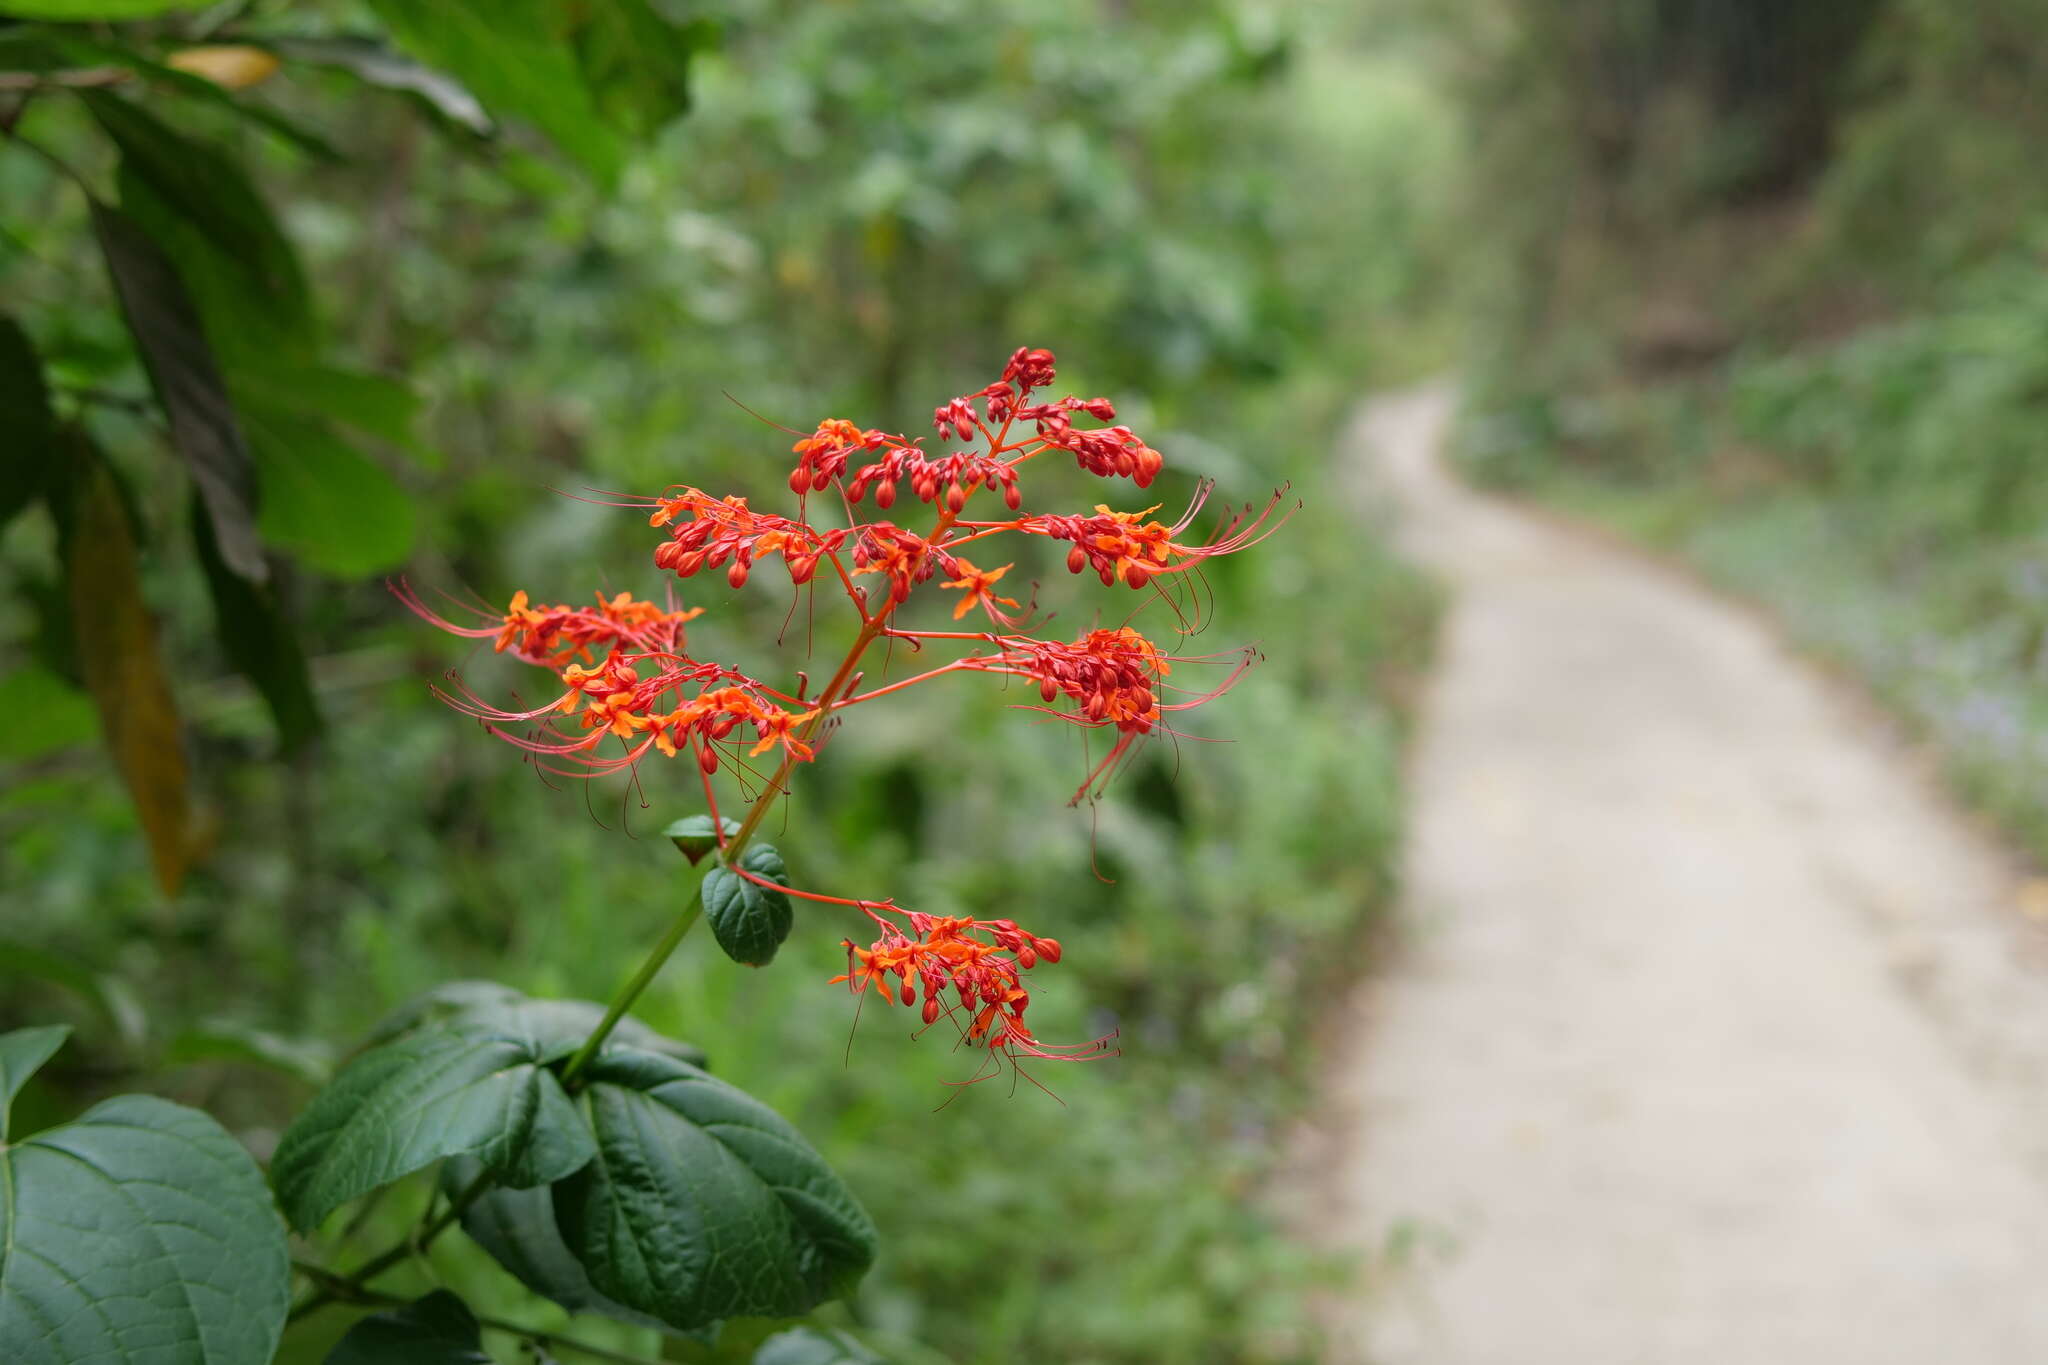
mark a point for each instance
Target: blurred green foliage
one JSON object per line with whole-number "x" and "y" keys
{"x": 521, "y": 277}
{"x": 1824, "y": 384}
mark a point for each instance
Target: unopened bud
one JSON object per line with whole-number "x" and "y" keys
{"x": 1077, "y": 559}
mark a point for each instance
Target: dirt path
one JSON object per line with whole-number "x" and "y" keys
{"x": 1715, "y": 1037}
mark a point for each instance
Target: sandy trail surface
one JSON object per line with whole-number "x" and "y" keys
{"x": 1713, "y": 1035}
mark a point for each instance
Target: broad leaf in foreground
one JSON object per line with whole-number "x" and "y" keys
{"x": 436, "y": 1330}
{"x": 517, "y": 1228}
{"x": 425, "y": 1096}
{"x": 139, "y": 1234}
{"x": 703, "y": 1203}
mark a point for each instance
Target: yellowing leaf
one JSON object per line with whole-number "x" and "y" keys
{"x": 117, "y": 652}
{"x": 234, "y": 67}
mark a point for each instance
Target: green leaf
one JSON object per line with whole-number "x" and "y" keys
{"x": 323, "y": 500}
{"x": 637, "y": 63}
{"x": 512, "y": 54}
{"x": 139, "y": 1234}
{"x": 258, "y": 640}
{"x": 117, "y": 652}
{"x": 172, "y": 343}
{"x": 517, "y": 1228}
{"x": 22, "y": 1054}
{"x": 375, "y": 64}
{"x": 703, "y": 1203}
{"x": 813, "y": 1346}
{"x": 90, "y": 10}
{"x": 461, "y": 1091}
{"x": 58, "y": 715}
{"x": 555, "y": 1027}
{"x": 207, "y": 188}
{"x": 693, "y": 835}
{"x": 436, "y": 1330}
{"x": 370, "y": 404}
{"x": 748, "y": 920}
{"x": 30, "y": 449}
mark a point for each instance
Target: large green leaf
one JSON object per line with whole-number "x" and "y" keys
{"x": 209, "y": 190}
{"x": 517, "y": 1228}
{"x": 139, "y": 1234}
{"x": 637, "y": 63}
{"x": 436, "y": 1330}
{"x": 475, "y": 1089}
{"x": 59, "y": 715}
{"x": 324, "y": 500}
{"x": 749, "y": 920}
{"x": 181, "y": 367}
{"x": 513, "y": 55}
{"x": 258, "y": 639}
{"x": 703, "y": 1203}
{"x": 30, "y": 449}
{"x": 117, "y": 652}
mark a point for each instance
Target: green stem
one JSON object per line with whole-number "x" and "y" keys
{"x": 346, "y": 1292}
{"x": 623, "y": 1001}
{"x": 334, "y": 1288}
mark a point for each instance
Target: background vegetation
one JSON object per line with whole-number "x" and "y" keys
{"x": 1772, "y": 296}
{"x": 438, "y": 293}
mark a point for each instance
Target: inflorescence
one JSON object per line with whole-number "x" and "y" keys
{"x": 627, "y": 684}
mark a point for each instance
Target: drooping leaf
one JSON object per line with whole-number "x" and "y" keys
{"x": 31, "y": 445}
{"x": 703, "y": 1203}
{"x": 258, "y": 640}
{"x": 514, "y": 55}
{"x": 436, "y": 1330}
{"x": 693, "y": 835}
{"x": 517, "y": 1228}
{"x": 749, "y": 920}
{"x": 637, "y": 63}
{"x": 117, "y": 652}
{"x": 375, "y": 64}
{"x": 324, "y": 500}
{"x": 161, "y": 316}
{"x": 139, "y": 1234}
{"x": 206, "y": 187}
{"x": 22, "y": 1054}
{"x": 814, "y": 1346}
{"x": 425, "y": 1096}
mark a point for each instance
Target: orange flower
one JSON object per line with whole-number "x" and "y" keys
{"x": 978, "y": 587}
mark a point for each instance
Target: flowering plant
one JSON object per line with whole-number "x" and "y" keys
{"x": 629, "y": 685}
{"x": 596, "y": 1160}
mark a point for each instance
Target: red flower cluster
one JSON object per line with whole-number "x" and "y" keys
{"x": 628, "y": 686}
